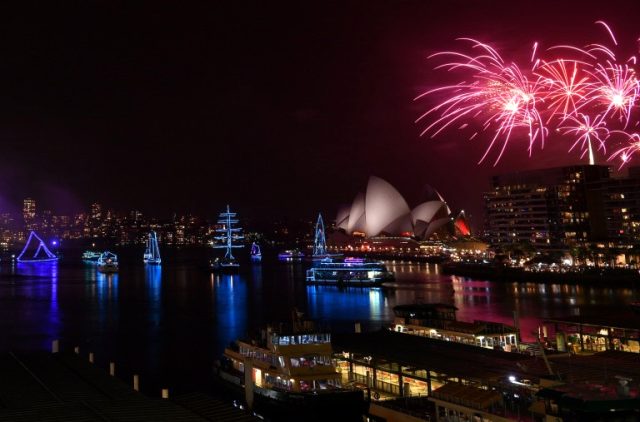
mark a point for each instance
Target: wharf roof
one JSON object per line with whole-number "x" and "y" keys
{"x": 476, "y": 398}
{"x": 424, "y": 306}
{"x": 600, "y": 367}
{"x": 622, "y": 320}
{"x": 453, "y": 359}
{"x": 61, "y": 387}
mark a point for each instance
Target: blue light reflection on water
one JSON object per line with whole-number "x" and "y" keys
{"x": 343, "y": 306}
{"x": 153, "y": 282}
{"x": 174, "y": 320}
{"x": 230, "y": 301}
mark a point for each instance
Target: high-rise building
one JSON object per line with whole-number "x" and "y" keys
{"x": 29, "y": 213}
{"x": 620, "y": 201}
{"x": 96, "y": 211}
{"x": 551, "y": 208}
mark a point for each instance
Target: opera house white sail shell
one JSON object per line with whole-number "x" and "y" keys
{"x": 383, "y": 210}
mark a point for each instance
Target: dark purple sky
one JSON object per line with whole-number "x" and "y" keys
{"x": 279, "y": 109}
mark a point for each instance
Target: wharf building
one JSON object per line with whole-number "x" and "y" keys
{"x": 413, "y": 378}
{"x": 438, "y": 321}
{"x": 597, "y": 332}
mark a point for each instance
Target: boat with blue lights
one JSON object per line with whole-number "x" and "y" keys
{"x": 108, "y": 262}
{"x": 227, "y": 239}
{"x": 291, "y": 255}
{"x": 349, "y": 271}
{"x": 90, "y": 256}
{"x": 256, "y": 254}
{"x": 320, "y": 250}
{"x": 152, "y": 252}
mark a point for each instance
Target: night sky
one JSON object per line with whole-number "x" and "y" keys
{"x": 280, "y": 109}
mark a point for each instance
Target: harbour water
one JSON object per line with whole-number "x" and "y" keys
{"x": 169, "y": 323}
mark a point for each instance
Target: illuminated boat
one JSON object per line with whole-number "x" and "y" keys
{"x": 256, "y": 254}
{"x": 41, "y": 254}
{"x": 90, "y": 256}
{"x": 227, "y": 238}
{"x": 290, "y": 372}
{"x": 320, "y": 250}
{"x": 291, "y": 255}
{"x": 224, "y": 265}
{"x": 108, "y": 262}
{"x": 152, "y": 253}
{"x": 349, "y": 272}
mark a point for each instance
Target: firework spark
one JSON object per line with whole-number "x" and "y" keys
{"x": 586, "y": 131}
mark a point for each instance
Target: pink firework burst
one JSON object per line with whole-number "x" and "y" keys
{"x": 567, "y": 86}
{"x": 502, "y": 95}
{"x": 562, "y": 91}
{"x": 586, "y": 132}
{"x": 616, "y": 88}
{"x": 631, "y": 147}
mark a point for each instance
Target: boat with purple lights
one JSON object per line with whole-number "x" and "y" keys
{"x": 349, "y": 271}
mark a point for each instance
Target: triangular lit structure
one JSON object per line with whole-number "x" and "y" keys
{"x": 42, "y": 253}
{"x": 319, "y": 242}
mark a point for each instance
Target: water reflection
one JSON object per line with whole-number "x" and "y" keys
{"x": 342, "y": 306}
{"x": 176, "y": 318}
{"x": 153, "y": 281}
{"x": 230, "y": 302}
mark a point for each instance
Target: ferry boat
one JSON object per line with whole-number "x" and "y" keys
{"x": 349, "y": 272}
{"x": 289, "y": 374}
{"x": 227, "y": 238}
{"x": 291, "y": 255}
{"x": 256, "y": 254}
{"x": 90, "y": 256}
{"x": 152, "y": 253}
{"x": 108, "y": 262}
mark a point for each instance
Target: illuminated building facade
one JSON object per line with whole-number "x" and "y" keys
{"x": 551, "y": 208}
{"x": 621, "y": 204}
{"x": 29, "y": 213}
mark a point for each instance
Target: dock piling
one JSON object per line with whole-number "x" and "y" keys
{"x": 55, "y": 346}
{"x": 136, "y": 382}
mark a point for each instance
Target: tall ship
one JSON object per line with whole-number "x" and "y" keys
{"x": 152, "y": 252}
{"x": 108, "y": 262}
{"x": 40, "y": 254}
{"x": 350, "y": 271}
{"x": 228, "y": 237}
{"x": 290, "y": 372}
{"x": 256, "y": 254}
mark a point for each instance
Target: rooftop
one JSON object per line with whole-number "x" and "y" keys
{"x": 625, "y": 319}
{"x": 438, "y": 355}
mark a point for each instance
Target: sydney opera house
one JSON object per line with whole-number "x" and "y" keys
{"x": 382, "y": 211}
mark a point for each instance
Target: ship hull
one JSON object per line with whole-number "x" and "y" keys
{"x": 276, "y": 405}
